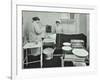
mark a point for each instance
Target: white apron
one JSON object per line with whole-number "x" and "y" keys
{"x": 35, "y": 37}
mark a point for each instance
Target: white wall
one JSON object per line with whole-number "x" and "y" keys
{"x": 50, "y": 18}
{"x": 83, "y": 23}
{"x": 46, "y": 18}
{"x": 79, "y": 26}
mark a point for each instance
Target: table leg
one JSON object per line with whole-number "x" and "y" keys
{"x": 23, "y": 59}
{"x": 26, "y": 58}
{"x": 62, "y": 61}
{"x": 41, "y": 58}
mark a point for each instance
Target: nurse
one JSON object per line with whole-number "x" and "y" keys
{"x": 58, "y": 29}
{"x": 35, "y": 34}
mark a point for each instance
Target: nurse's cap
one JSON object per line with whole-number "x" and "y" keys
{"x": 58, "y": 21}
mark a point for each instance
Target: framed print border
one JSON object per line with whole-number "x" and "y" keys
{"x": 16, "y": 70}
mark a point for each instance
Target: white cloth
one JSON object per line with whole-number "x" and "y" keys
{"x": 59, "y": 29}
{"x": 35, "y": 32}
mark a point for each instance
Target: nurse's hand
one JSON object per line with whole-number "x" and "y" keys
{"x": 25, "y": 42}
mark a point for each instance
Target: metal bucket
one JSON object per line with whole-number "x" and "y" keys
{"x": 49, "y": 53}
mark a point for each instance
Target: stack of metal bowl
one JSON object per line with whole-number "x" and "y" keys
{"x": 67, "y": 47}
